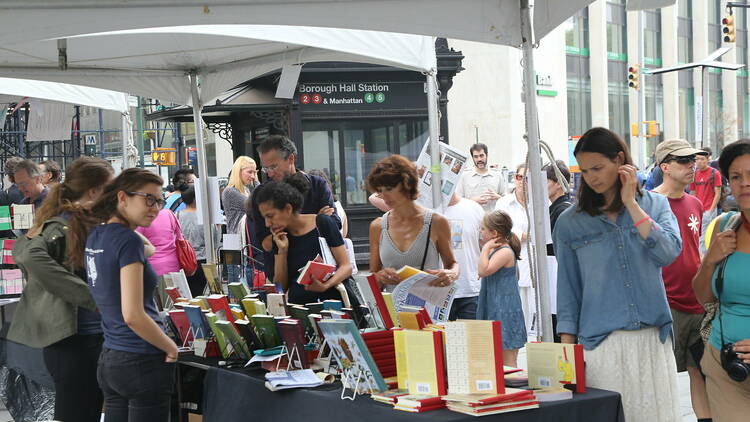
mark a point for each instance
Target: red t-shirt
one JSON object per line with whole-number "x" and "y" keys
{"x": 678, "y": 276}
{"x": 701, "y": 187}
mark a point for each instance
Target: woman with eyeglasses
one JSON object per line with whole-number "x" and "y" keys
{"x": 515, "y": 205}
{"x": 137, "y": 364}
{"x": 610, "y": 250}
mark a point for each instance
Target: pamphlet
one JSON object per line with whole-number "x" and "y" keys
{"x": 452, "y": 163}
{"x": 302, "y": 378}
{"x": 415, "y": 290}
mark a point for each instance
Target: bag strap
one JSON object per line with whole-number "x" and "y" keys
{"x": 179, "y": 227}
{"x": 427, "y": 245}
{"x": 176, "y": 204}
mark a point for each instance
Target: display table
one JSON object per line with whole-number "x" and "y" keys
{"x": 232, "y": 393}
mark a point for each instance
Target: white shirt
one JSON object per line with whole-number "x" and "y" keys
{"x": 465, "y": 219}
{"x": 472, "y": 183}
{"x": 510, "y": 205}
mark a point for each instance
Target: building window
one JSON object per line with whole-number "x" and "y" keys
{"x": 577, "y": 34}
{"x": 687, "y": 113}
{"x": 577, "y": 72}
{"x": 618, "y": 108}
{"x": 684, "y": 31}
{"x": 617, "y": 38}
{"x": 743, "y": 113}
{"x": 716, "y": 108}
{"x": 652, "y": 39}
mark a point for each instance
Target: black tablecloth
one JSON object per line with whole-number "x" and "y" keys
{"x": 230, "y": 394}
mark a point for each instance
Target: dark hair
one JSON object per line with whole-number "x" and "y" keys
{"x": 188, "y": 196}
{"x": 730, "y": 153}
{"x": 129, "y": 180}
{"x": 53, "y": 169}
{"x": 477, "y": 147}
{"x": 551, "y": 175}
{"x": 279, "y": 143}
{"x": 30, "y": 167}
{"x": 10, "y": 167}
{"x": 609, "y": 144}
{"x": 324, "y": 176}
{"x": 83, "y": 174}
{"x": 392, "y": 170}
{"x": 501, "y": 222}
{"x": 707, "y": 151}
{"x": 290, "y": 191}
{"x": 181, "y": 178}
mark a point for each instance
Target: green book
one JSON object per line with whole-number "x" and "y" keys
{"x": 233, "y": 338}
{"x": 220, "y": 339}
{"x": 237, "y": 290}
{"x": 5, "y": 223}
{"x": 301, "y": 313}
{"x": 265, "y": 327}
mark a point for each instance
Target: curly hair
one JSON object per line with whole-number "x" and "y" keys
{"x": 392, "y": 171}
{"x": 290, "y": 191}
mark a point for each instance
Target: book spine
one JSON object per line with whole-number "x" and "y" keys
{"x": 580, "y": 368}
{"x": 440, "y": 363}
{"x": 384, "y": 313}
{"x": 497, "y": 338}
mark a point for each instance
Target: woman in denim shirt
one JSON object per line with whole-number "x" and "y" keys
{"x": 610, "y": 295}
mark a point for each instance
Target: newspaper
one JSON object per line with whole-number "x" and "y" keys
{"x": 452, "y": 163}
{"x": 415, "y": 290}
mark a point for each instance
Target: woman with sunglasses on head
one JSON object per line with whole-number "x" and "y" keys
{"x": 137, "y": 365}
{"x": 57, "y": 311}
{"x": 610, "y": 250}
{"x": 722, "y": 277}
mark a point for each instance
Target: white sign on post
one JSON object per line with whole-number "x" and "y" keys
{"x": 699, "y": 121}
{"x": 452, "y": 163}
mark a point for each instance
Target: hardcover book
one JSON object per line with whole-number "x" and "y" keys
{"x": 553, "y": 365}
{"x": 315, "y": 270}
{"x": 292, "y": 333}
{"x": 425, "y": 362}
{"x": 474, "y": 351}
{"x": 351, "y": 352}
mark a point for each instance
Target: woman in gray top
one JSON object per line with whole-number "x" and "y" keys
{"x": 192, "y": 230}
{"x": 408, "y": 234}
{"x": 242, "y": 179}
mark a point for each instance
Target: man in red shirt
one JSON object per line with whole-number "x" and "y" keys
{"x": 676, "y": 159}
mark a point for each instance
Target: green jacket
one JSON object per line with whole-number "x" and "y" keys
{"x": 48, "y": 311}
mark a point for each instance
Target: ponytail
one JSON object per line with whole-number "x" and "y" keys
{"x": 515, "y": 244}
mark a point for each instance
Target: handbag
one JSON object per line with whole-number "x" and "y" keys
{"x": 185, "y": 252}
{"x": 258, "y": 276}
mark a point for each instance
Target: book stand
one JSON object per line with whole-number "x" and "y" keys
{"x": 290, "y": 357}
{"x": 354, "y": 379}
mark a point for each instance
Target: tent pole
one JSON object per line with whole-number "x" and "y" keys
{"x": 544, "y": 317}
{"x": 202, "y": 170}
{"x": 126, "y": 129}
{"x": 434, "y": 128}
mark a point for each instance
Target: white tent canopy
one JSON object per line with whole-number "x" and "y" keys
{"x": 16, "y": 90}
{"x": 155, "y": 62}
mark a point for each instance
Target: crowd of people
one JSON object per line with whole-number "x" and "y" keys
{"x": 632, "y": 278}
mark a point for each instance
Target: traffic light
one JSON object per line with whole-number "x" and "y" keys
{"x": 727, "y": 28}
{"x": 634, "y": 76}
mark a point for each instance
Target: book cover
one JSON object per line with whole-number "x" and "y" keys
{"x": 419, "y": 400}
{"x": 388, "y": 299}
{"x": 237, "y": 313}
{"x": 219, "y": 305}
{"x": 314, "y": 307}
{"x": 314, "y": 320}
{"x": 425, "y": 364}
{"x": 351, "y": 352}
{"x": 400, "y": 347}
{"x": 410, "y": 320}
{"x": 173, "y": 293}
{"x": 5, "y": 222}
{"x": 301, "y": 313}
{"x": 265, "y": 327}
{"x": 180, "y": 321}
{"x": 197, "y": 320}
{"x": 224, "y": 345}
{"x": 553, "y": 365}
{"x": 474, "y": 351}
{"x": 237, "y": 290}
{"x": 315, "y": 270}
{"x": 368, "y": 306}
{"x": 201, "y": 301}
{"x": 276, "y": 304}
{"x": 292, "y": 333}
{"x": 211, "y": 272}
{"x": 179, "y": 280}
{"x": 232, "y": 338}
{"x": 23, "y": 216}
{"x": 333, "y": 305}
{"x": 247, "y": 331}
{"x": 379, "y": 302}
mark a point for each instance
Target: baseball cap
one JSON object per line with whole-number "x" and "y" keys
{"x": 675, "y": 147}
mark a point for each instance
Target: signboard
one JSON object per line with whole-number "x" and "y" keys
{"x": 191, "y": 157}
{"x": 164, "y": 156}
{"x": 89, "y": 139}
{"x": 369, "y": 95}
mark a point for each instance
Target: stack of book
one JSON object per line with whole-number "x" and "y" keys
{"x": 516, "y": 379}
{"x": 388, "y": 396}
{"x": 383, "y": 350}
{"x": 418, "y": 403}
{"x": 479, "y": 405}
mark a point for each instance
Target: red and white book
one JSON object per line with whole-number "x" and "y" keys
{"x": 317, "y": 270}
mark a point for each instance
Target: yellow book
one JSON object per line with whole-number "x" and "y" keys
{"x": 425, "y": 362}
{"x": 249, "y": 306}
{"x": 401, "y": 375}
{"x": 407, "y": 271}
{"x": 200, "y": 301}
{"x": 237, "y": 314}
{"x": 408, "y": 320}
{"x": 212, "y": 278}
{"x": 388, "y": 298}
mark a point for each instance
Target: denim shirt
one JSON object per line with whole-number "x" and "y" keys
{"x": 609, "y": 277}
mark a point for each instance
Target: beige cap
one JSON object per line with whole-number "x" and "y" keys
{"x": 676, "y": 147}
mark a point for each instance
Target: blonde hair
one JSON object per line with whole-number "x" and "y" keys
{"x": 235, "y": 177}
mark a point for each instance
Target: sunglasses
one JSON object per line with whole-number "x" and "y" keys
{"x": 151, "y": 200}
{"x": 682, "y": 160}
{"x": 519, "y": 176}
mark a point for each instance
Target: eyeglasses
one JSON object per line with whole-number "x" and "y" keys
{"x": 272, "y": 168}
{"x": 682, "y": 160}
{"x": 151, "y": 200}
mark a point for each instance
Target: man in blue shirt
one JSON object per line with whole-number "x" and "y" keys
{"x": 182, "y": 179}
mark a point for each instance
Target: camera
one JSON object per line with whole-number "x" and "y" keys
{"x": 735, "y": 367}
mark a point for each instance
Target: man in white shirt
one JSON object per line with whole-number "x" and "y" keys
{"x": 465, "y": 218}
{"x": 481, "y": 184}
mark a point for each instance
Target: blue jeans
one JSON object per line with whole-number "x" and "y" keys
{"x": 463, "y": 308}
{"x": 136, "y": 387}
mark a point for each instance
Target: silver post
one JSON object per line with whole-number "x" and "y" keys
{"x": 202, "y": 170}
{"x": 642, "y": 126}
{"x": 126, "y": 130}
{"x": 535, "y": 176}
{"x": 706, "y": 108}
{"x": 434, "y": 127}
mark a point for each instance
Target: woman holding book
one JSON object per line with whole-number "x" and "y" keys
{"x": 296, "y": 240}
{"x": 729, "y": 397}
{"x": 57, "y": 311}
{"x": 408, "y": 234}
{"x": 610, "y": 293}
{"x": 137, "y": 364}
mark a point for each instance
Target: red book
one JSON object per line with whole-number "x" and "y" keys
{"x": 173, "y": 293}
{"x": 440, "y": 365}
{"x": 317, "y": 270}
{"x": 293, "y": 334}
{"x": 382, "y": 308}
{"x": 516, "y": 395}
{"x": 580, "y": 368}
{"x": 419, "y": 409}
{"x": 219, "y": 305}
{"x": 180, "y": 321}
{"x": 497, "y": 338}
{"x": 379, "y": 342}
{"x": 386, "y": 349}
{"x": 425, "y": 316}
{"x": 377, "y": 335}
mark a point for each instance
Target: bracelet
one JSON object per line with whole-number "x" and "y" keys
{"x": 643, "y": 220}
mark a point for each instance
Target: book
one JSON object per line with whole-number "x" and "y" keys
{"x": 388, "y": 396}
{"x": 410, "y": 320}
{"x": 301, "y": 313}
{"x": 247, "y": 331}
{"x": 302, "y": 378}
{"x": 5, "y": 221}
{"x": 495, "y": 408}
{"x": 219, "y": 305}
{"x": 314, "y": 307}
{"x": 419, "y": 409}
{"x": 292, "y": 333}
{"x": 351, "y": 352}
{"x": 23, "y": 216}
{"x": 376, "y": 301}
{"x": 224, "y": 345}
{"x": 180, "y": 282}
{"x": 368, "y": 302}
{"x": 555, "y": 394}
{"x": 400, "y": 348}
{"x": 265, "y": 327}
{"x": 253, "y": 306}
{"x": 333, "y": 305}
{"x": 419, "y": 400}
{"x": 425, "y": 362}
{"x": 276, "y": 304}
{"x": 211, "y": 272}
{"x": 553, "y": 365}
{"x": 237, "y": 313}
{"x": 201, "y": 301}
{"x": 315, "y": 270}
{"x": 478, "y": 400}
{"x": 232, "y": 338}
{"x": 390, "y": 308}
{"x": 314, "y": 320}
{"x": 415, "y": 290}
{"x": 7, "y": 251}
{"x": 237, "y": 290}
{"x": 197, "y": 320}
{"x": 474, "y": 355}
{"x": 517, "y": 379}
{"x": 182, "y": 324}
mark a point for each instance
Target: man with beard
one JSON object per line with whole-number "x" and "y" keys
{"x": 481, "y": 184}
{"x": 676, "y": 159}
